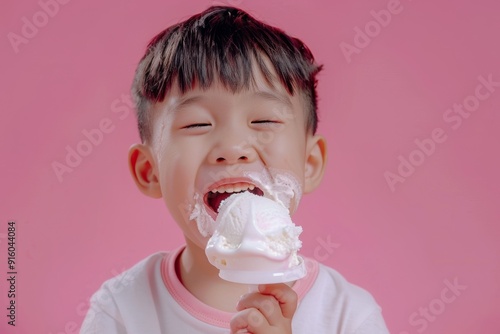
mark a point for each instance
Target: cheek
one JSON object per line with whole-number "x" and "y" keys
{"x": 286, "y": 149}
{"x": 180, "y": 162}
{"x": 176, "y": 183}
{"x": 179, "y": 191}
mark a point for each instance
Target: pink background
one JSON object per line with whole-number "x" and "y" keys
{"x": 441, "y": 224}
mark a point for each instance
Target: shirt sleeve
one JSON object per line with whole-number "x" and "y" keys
{"x": 373, "y": 324}
{"x": 103, "y": 315}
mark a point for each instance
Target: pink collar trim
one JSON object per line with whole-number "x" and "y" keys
{"x": 209, "y": 314}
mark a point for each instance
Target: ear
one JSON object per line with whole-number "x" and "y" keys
{"x": 315, "y": 162}
{"x": 142, "y": 168}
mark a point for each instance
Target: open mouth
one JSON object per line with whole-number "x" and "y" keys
{"x": 214, "y": 198}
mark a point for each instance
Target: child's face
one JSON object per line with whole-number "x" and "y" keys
{"x": 207, "y": 139}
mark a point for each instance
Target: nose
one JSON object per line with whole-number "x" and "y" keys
{"x": 233, "y": 148}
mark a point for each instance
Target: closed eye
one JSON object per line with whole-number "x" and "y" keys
{"x": 196, "y": 125}
{"x": 263, "y": 121}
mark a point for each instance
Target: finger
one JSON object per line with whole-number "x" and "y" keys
{"x": 285, "y": 295}
{"x": 249, "y": 319}
{"x": 268, "y": 305}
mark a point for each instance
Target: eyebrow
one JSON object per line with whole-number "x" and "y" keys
{"x": 269, "y": 96}
{"x": 184, "y": 101}
{"x": 276, "y": 97}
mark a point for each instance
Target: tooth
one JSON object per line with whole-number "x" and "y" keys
{"x": 233, "y": 188}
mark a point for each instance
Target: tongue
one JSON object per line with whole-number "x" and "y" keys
{"x": 214, "y": 200}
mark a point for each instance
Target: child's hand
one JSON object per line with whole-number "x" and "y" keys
{"x": 268, "y": 311}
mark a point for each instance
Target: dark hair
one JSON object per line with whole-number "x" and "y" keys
{"x": 221, "y": 43}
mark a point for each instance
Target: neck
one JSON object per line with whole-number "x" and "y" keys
{"x": 202, "y": 280}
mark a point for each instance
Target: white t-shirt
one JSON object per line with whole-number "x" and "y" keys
{"x": 150, "y": 299}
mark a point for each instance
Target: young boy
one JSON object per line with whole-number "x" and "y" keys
{"x": 225, "y": 104}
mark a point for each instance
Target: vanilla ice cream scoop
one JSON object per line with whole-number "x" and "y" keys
{"x": 255, "y": 241}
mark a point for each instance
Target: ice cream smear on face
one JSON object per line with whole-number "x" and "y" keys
{"x": 255, "y": 241}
